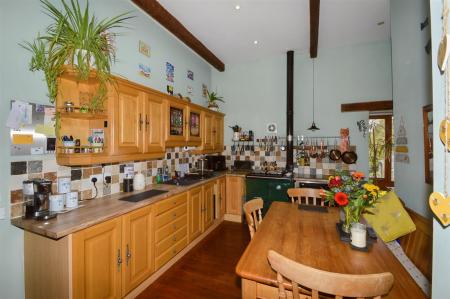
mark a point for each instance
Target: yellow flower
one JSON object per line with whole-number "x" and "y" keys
{"x": 371, "y": 187}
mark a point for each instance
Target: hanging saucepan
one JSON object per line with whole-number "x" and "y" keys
{"x": 349, "y": 156}
{"x": 335, "y": 154}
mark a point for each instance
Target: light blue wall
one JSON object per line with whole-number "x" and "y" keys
{"x": 21, "y": 20}
{"x": 411, "y": 72}
{"x": 441, "y": 236}
{"x": 255, "y": 92}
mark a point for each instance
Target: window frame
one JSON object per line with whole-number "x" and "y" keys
{"x": 387, "y": 180}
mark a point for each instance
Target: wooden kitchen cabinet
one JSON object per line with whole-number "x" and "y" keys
{"x": 176, "y": 128}
{"x": 127, "y": 119}
{"x": 137, "y": 248}
{"x": 208, "y": 205}
{"x": 195, "y": 126}
{"x": 97, "y": 261}
{"x": 195, "y": 212}
{"x": 235, "y": 186}
{"x": 171, "y": 226}
{"x": 208, "y": 132}
{"x": 218, "y": 133}
{"x": 221, "y": 195}
{"x": 112, "y": 258}
{"x": 154, "y": 123}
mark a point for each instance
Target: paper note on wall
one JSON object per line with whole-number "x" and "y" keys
{"x": 22, "y": 139}
{"x": 47, "y": 130}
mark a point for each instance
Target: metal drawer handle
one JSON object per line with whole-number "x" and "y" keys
{"x": 128, "y": 254}
{"x": 119, "y": 260}
{"x": 174, "y": 215}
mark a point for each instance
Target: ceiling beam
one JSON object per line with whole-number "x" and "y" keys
{"x": 368, "y": 106}
{"x": 167, "y": 20}
{"x": 314, "y": 11}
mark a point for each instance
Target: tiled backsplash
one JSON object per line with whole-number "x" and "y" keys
{"x": 259, "y": 156}
{"x": 81, "y": 176}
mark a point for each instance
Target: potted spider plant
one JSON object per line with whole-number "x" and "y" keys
{"x": 78, "y": 39}
{"x": 213, "y": 98}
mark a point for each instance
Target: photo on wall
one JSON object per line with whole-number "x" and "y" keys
{"x": 190, "y": 75}
{"x": 204, "y": 90}
{"x": 144, "y": 49}
{"x": 145, "y": 70}
{"x": 170, "y": 72}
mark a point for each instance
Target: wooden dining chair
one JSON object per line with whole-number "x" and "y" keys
{"x": 298, "y": 194}
{"x": 336, "y": 284}
{"x": 252, "y": 210}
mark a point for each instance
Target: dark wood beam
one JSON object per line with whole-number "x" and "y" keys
{"x": 167, "y": 20}
{"x": 314, "y": 12}
{"x": 367, "y": 106}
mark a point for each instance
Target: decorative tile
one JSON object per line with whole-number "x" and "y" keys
{"x": 18, "y": 168}
{"x": 49, "y": 165}
{"x": 16, "y": 196}
{"x": 16, "y": 210}
{"x": 16, "y": 181}
{"x": 34, "y": 166}
{"x": 75, "y": 174}
{"x": 87, "y": 172}
{"x": 51, "y": 176}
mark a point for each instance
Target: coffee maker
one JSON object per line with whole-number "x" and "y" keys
{"x": 37, "y": 205}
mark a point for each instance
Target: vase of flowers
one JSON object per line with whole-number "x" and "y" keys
{"x": 353, "y": 194}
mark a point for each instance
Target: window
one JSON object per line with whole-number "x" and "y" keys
{"x": 381, "y": 166}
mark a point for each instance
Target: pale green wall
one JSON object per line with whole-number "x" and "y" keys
{"x": 255, "y": 92}
{"x": 411, "y": 72}
{"x": 441, "y": 236}
{"x": 21, "y": 20}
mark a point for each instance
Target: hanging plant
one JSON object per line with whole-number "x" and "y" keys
{"x": 78, "y": 39}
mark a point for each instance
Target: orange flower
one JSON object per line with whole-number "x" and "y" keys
{"x": 358, "y": 175}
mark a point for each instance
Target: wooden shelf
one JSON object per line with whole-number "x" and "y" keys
{"x": 87, "y": 116}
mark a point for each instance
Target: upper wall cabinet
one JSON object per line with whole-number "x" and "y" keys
{"x": 176, "y": 132}
{"x": 136, "y": 123}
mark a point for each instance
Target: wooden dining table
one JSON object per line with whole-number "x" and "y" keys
{"x": 311, "y": 238}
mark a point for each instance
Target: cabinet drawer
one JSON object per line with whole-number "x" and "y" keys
{"x": 170, "y": 203}
{"x": 170, "y": 241}
{"x": 170, "y": 253}
{"x": 170, "y": 215}
{"x": 170, "y": 228}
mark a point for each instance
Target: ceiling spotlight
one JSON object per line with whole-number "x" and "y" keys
{"x": 237, "y": 7}
{"x": 255, "y": 42}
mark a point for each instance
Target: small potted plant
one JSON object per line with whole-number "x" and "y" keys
{"x": 213, "y": 98}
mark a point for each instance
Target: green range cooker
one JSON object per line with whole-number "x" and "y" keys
{"x": 270, "y": 187}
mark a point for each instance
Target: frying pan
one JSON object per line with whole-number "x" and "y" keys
{"x": 335, "y": 154}
{"x": 349, "y": 157}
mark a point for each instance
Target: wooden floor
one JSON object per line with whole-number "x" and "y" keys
{"x": 208, "y": 270}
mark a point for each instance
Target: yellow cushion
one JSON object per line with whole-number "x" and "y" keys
{"x": 389, "y": 219}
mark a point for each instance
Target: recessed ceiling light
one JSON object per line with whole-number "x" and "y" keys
{"x": 237, "y": 7}
{"x": 255, "y": 42}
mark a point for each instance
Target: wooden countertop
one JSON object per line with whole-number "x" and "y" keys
{"x": 311, "y": 238}
{"x": 99, "y": 210}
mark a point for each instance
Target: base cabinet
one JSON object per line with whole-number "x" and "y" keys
{"x": 97, "y": 261}
{"x": 221, "y": 195}
{"x": 235, "y": 186}
{"x": 208, "y": 205}
{"x": 195, "y": 213}
{"x": 112, "y": 258}
{"x": 137, "y": 248}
